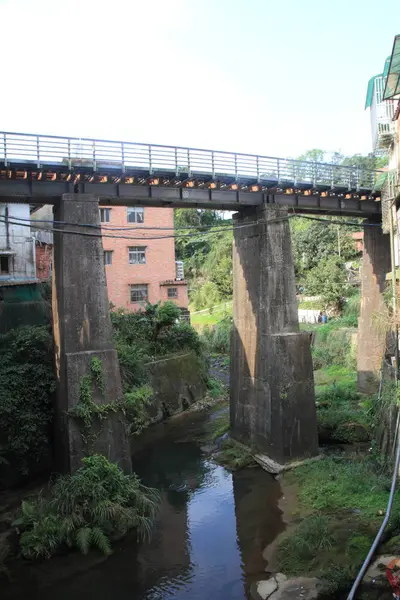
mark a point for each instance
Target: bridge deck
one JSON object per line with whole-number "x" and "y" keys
{"x": 38, "y": 169}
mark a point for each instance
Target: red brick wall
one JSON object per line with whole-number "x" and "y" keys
{"x": 44, "y": 259}
{"x": 160, "y": 257}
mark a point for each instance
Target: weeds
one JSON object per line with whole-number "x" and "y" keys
{"x": 337, "y": 483}
{"x": 86, "y": 510}
{"x": 217, "y": 338}
{"x": 234, "y": 456}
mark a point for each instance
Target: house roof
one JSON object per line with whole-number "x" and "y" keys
{"x": 392, "y": 87}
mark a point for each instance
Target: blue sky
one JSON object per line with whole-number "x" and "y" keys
{"x": 260, "y": 76}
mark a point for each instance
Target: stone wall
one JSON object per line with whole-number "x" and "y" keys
{"x": 178, "y": 382}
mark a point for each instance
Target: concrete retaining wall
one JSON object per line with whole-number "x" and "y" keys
{"x": 178, "y": 382}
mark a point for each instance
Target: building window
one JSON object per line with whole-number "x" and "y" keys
{"x": 139, "y": 293}
{"x": 107, "y": 257}
{"x": 137, "y": 255}
{"x": 4, "y": 265}
{"x": 105, "y": 215}
{"x": 135, "y": 214}
{"x": 172, "y": 292}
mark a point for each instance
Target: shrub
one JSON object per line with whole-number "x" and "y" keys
{"x": 156, "y": 331}
{"x": 332, "y": 346}
{"x": 218, "y": 338}
{"x": 26, "y": 387}
{"x": 88, "y": 509}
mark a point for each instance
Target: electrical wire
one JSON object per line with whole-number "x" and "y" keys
{"x": 124, "y": 237}
{"x": 126, "y": 228}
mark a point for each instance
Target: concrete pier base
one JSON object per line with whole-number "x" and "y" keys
{"x": 272, "y": 385}
{"x": 371, "y": 340}
{"x": 82, "y": 330}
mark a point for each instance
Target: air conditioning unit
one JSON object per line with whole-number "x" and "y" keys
{"x": 179, "y": 270}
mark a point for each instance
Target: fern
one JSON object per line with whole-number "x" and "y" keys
{"x": 99, "y": 539}
{"x": 84, "y": 509}
{"x": 83, "y": 537}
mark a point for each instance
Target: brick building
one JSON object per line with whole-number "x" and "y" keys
{"x": 137, "y": 270}
{"x": 141, "y": 270}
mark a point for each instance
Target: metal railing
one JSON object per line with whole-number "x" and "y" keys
{"x": 43, "y": 151}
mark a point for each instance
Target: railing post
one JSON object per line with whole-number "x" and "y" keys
{"x": 258, "y": 170}
{"x": 314, "y": 174}
{"x": 150, "y": 165}
{"x": 236, "y": 171}
{"x": 332, "y": 177}
{"x": 69, "y": 155}
{"x": 357, "y": 179}
{"x": 94, "y": 154}
{"x": 37, "y": 152}
{"x": 5, "y": 149}
{"x": 212, "y": 164}
{"x": 122, "y": 157}
{"x": 176, "y": 162}
{"x": 189, "y": 168}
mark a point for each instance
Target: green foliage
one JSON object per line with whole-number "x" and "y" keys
{"x": 297, "y": 552}
{"x": 336, "y": 483}
{"x": 341, "y": 415}
{"x": 351, "y": 310}
{"x": 234, "y": 456}
{"x": 88, "y": 509}
{"x": 140, "y": 338}
{"x": 207, "y": 256}
{"x": 204, "y": 294}
{"x": 137, "y": 402}
{"x": 157, "y": 331}
{"x": 215, "y": 387}
{"x": 218, "y": 338}
{"x": 328, "y": 279}
{"x": 332, "y": 345}
{"x": 314, "y": 242}
{"x": 26, "y": 387}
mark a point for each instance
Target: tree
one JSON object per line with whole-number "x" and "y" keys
{"x": 328, "y": 280}
{"x": 314, "y": 241}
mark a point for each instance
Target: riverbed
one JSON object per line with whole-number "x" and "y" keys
{"x": 208, "y": 540}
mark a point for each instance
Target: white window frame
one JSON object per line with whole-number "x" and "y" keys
{"x": 135, "y": 214}
{"x": 175, "y": 290}
{"x": 139, "y": 287}
{"x": 109, "y": 254}
{"x": 105, "y": 211}
{"x": 137, "y": 255}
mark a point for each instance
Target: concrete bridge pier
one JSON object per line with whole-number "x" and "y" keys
{"x": 371, "y": 342}
{"x": 83, "y": 332}
{"x": 272, "y": 387}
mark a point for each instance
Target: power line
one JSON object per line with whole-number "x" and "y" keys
{"x": 124, "y": 228}
{"x": 123, "y": 237}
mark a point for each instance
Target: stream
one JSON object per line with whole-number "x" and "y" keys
{"x": 208, "y": 538}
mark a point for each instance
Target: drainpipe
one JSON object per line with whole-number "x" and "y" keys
{"x": 7, "y": 228}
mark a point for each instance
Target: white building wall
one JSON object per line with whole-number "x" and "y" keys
{"x": 17, "y": 242}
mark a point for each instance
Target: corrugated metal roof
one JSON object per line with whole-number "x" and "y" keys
{"x": 392, "y": 87}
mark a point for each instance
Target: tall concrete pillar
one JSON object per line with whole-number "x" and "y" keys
{"x": 272, "y": 386}
{"x": 82, "y": 333}
{"x": 371, "y": 340}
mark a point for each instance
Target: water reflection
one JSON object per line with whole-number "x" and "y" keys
{"x": 208, "y": 539}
